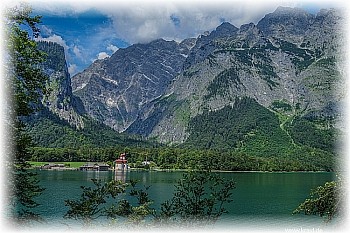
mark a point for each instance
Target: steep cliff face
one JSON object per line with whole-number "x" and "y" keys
{"x": 115, "y": 89}
{"x": 59, "y": 98}
{"x": 62, "y": 121}
{"x": 290, "y": 58}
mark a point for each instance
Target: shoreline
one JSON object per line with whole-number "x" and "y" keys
{"x": 174, "y": 170}
{"x": 61, "y": 166}
{"x": 243, "y": 171}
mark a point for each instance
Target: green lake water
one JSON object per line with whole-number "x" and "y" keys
{"x": 261, "y": 200}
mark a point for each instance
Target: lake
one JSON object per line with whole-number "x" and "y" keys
{"x": 261, "y": 200}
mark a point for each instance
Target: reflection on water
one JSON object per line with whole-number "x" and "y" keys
{"x": 120, "y": 175}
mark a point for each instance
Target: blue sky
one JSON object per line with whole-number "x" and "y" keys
{"x": 85, "y": 36}
{"x": 90, "y": 30}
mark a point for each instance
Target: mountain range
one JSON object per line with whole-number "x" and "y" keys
{"x": 266, "y": 88}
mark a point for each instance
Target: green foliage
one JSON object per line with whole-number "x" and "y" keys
{"x": 281, "y": 106}
{"x": 26, "y": 200}
{"x": 27, "y": 84}
{"x": 47, "y": 130}
{"x": 248, "y": 129}
{"x": 90, "y": 206}
{"x": 242, "y": 137}
{"x": 199, "y": 199}
{"x": 303, "y": 57}
{"x": 54, "y": 59}
{"x": 25, "y": 188}
{"x": 220, "y": 84}
{"x": 66, "y": 164}
{"x": 142, "y": 210}
{"x": 306, "y": 132}
{"x": 26, "y": 77}
{"x": 104, "y": 200}
{"x": 183, "y": 113}
{"x": 227, "y": 128}
{"x": 53, "y": 134}
{"x": 325, "y": 201}
{"x": 301, "y": 158}
{"x": 23, "y": 184}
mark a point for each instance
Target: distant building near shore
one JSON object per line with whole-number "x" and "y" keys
{"x": 52, "y": 166}
{"x": 121, "y": 164}
{"x": 94, "y": 167}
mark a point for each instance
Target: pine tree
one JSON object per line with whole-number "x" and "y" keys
{"x": 25, "y": 83}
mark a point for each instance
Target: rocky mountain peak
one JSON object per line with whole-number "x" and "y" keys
{"x": 286, "y": 23}
{"x": 154, "y": 89}
{"x": 330, "y": 16}
{"x": 186, "y": 45}
{"x": 116, "y": 89}
{"x": 205, "y": 43}
{"x": 287, "y": 11}
{"x": 246, "y": 27}
{"x": 223, "y": 30}
{"x": 249, "y": 35}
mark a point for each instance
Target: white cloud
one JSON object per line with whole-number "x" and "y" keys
{"x": 57, "y": 39}
{"x": 46, "y": 30}
{"x": 77, "y": 52}
{"x": 102, "y": 55}
{"x": 142, "y": 21}
{"x": 138, "y": 22}
{"x": 112, "y": 48}
{"x": 72, "y": 69}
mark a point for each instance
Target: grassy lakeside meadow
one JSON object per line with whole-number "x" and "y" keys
{"x": 66, "y": 164}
